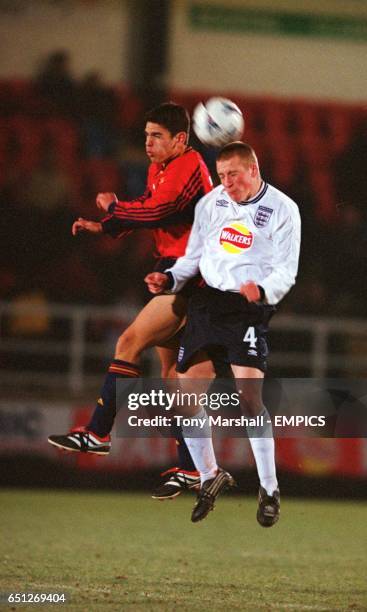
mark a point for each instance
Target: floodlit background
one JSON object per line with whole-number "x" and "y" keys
{"x": 75, "y": 80}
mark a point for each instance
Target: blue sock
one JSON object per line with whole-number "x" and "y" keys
{"x": 184, "y": 458}
{"x": 104, "y": 414}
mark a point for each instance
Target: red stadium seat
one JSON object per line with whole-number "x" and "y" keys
{"x": 65, "y": 137}
{"x": 323, "y": 187}
{"x": 338, "y": 123}
{"x": 27, "y": 137}
{"x": 103, "y": 174}
{"x": 130, "y": 109}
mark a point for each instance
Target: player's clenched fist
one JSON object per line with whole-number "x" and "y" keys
{"x": 104, "y": 200}
{"x": 250, "y": 291}
{"x": 157, "y": 282}
{"x": 83, "y": 225}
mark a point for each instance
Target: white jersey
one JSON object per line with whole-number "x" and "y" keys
{"x": 231, "y": 243}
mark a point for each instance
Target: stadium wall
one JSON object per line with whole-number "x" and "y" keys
{"x": 314, "y": 50}
{"x": 94, "y": 33}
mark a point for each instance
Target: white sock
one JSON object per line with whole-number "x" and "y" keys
{"x": 263, "y": 449}
{"x": 201, "y": 448}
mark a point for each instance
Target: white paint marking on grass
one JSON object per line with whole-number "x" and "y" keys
{"x": 292, "y": 606}
{"x": 69, "y": 587}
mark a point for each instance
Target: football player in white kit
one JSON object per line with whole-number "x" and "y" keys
{"x": 245, "y": 242}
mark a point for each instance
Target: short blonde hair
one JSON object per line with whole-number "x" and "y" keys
{"x": 241, "y": 149}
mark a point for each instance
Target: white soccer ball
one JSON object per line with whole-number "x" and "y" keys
{"x": 218, "y": 122}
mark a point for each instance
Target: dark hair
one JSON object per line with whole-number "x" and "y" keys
{"x": 171, "y": 116}
{"x": 242, "y": 149}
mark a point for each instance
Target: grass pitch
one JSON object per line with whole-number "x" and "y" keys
{"x": 111, "y": 551}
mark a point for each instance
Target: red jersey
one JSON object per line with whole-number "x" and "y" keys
{"x": 173, "y": 189}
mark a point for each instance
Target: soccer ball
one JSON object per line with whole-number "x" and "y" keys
{"x": 218, "y": 122}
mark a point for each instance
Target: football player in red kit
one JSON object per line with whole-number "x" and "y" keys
{"x": 177, "y": 179}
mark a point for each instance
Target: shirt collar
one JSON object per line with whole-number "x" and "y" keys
{"x": 263, "y": 189}
{"x": 164, "y": 164}
{"x": 257, "y": 196}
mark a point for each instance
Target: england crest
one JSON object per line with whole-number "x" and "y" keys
{"x": 262, "y": 216}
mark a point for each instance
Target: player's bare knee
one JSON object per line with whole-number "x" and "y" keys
{"x": 251, "y": 406}
{"x": 129, "y": 343}
{"x": 168, "y": 371}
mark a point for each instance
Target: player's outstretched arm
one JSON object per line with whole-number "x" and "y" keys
{"x": 157, "y": 282}
{"x": 83, "y": 225}
{"x": 171, "y": 202}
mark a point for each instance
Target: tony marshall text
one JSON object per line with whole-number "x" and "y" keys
{"x": 219, "y": 421}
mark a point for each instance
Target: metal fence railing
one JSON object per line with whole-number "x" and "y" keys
{"x": 53, "y": 345}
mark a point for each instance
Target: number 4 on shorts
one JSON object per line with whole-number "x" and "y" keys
{"x": 250, "y": 337}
